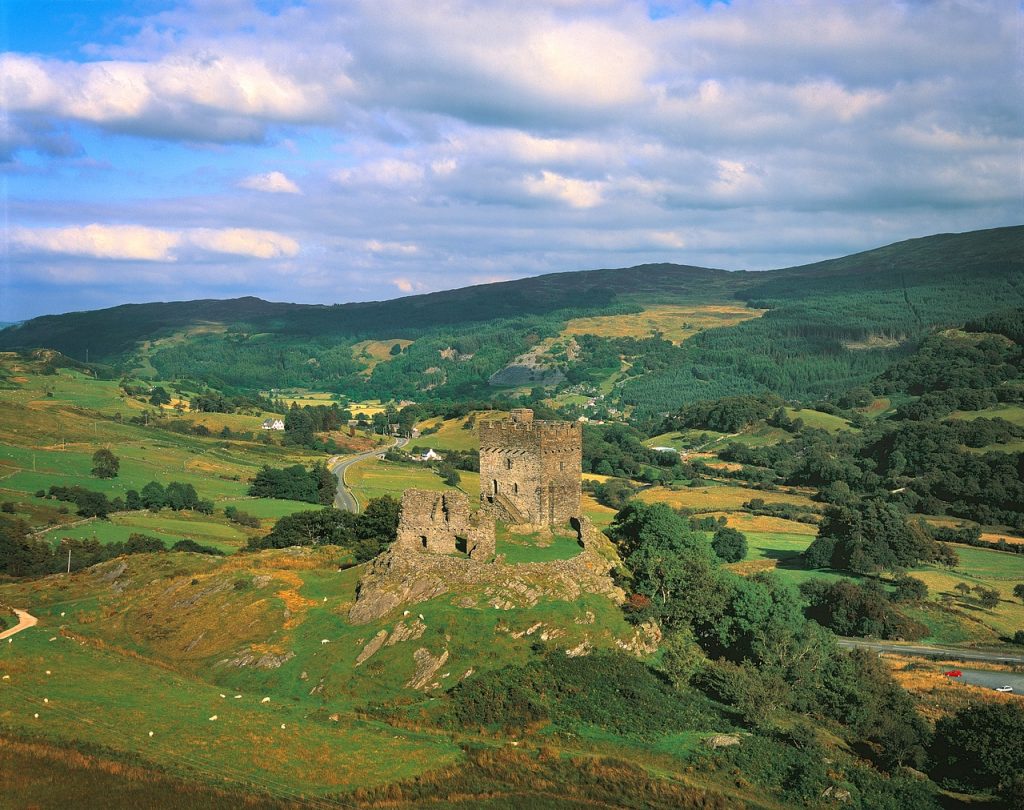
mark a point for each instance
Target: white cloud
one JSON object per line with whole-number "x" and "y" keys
{"x": 573, "y": 192}
{"x": 271, "y": 182}
{"x": 394, "y": 248}
{"x": 100, "y": 242}
{"x": 244, "y": 242}
{"x": 137, "y": 242}
{"x": 390, "y": 172}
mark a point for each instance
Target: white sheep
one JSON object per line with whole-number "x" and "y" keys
{"x": 47, "y": 672}
{"x": 405, "y": 612}
{"x": 36, "y": 715}
{"x": 324, "y": 641}
{"x": 421, "y": 618}
{"x": 282, "y": 725}
{"x": 237, "y": 697}
{"x": 265, "y": 700}
{"x": 214, "y": 717}
{"x": 223, "y": 696}
{"x": 151, "y": 734}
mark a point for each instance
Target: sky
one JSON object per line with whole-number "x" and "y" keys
{"x": 325, "y": 151}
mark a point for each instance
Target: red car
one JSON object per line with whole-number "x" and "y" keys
{"x": 954, "y": 673}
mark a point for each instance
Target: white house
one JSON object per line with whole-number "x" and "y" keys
{"x": 430, "y": 455}
{"x": 273, "y": 424}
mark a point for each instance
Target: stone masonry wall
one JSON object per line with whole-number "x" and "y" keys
{"x": 530, "y": 470}
{"x": 441, "y": 523}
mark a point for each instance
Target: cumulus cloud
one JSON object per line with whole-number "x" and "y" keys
{"x": 573, "y": 192}
{"x": 137, "y": 242}
{"x": 271, "y": 182}
{"x": 442, "y": 143}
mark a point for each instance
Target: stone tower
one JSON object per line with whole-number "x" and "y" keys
{"x": 530, "y": 470}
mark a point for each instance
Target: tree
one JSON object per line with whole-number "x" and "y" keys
{"x": 962, "y": 588}
{"x": 909, "y": 589}
{"x": 153, "y": 496}
{"x": 729, "y": 544}
{"x": 988, "y": 598}
{"x": 1018, "y": 591}
{"x": 159, "y": 396}
{"x": 105, "y": 464}
{"x": 981, "y": 747}
{"x": 681, "y": 657}
{"x": 396, "y": 350}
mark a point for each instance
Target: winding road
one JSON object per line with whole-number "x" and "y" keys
{"x": 25, "y": 621}
{"x": 950, "y": 654}
{"x": 344, "y": 499}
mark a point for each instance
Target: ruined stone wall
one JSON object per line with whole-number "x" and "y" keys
{"x": 530, "y": 470}
{"x": 432, "y": 521}
{"x": 441, "y": 523}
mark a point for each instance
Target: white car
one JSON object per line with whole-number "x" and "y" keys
{"x": 1004, "y": 688}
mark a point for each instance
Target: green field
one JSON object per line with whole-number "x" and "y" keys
{"x": 373, "y": 478}
{"x": 526, "y": 548}
{"x": 452, "y": 434}
{"x": 1011, "y": 413}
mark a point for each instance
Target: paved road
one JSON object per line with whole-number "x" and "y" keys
{"x": 990, "y": 680}
{"x": 25, "y": 621}
{"x": 344, "y": 499}
{"x": 950, "y": 654}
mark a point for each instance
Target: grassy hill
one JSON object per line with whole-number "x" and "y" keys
{"x": 822, "y": 328}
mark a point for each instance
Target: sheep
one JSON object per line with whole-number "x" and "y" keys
{"x": 36, "y": 715}
{"x": 421, "y": 618}
{"x": 7, "y": 677}
{"x": 214, "y": 717}
{"x": 151, "y": 734}
{"x": 324, "y": 641}
{"x": 223, "y": 696}
{"x": 282, "y": 725}
{"x": 238, "y": 697}
{"x": 265, "y": 700}
{"x": 47, "y": 672}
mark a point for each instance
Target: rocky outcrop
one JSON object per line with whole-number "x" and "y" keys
{"x": 398, "y": 577}
{"x": 427, "y": 664}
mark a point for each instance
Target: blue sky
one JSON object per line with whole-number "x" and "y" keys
{"x": 329, "y": 150}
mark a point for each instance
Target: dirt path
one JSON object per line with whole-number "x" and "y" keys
{"x": 25, "y": 621}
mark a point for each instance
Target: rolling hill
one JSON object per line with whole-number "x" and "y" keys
{"x": 825, "y": 327}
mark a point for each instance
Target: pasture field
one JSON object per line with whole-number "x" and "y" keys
{"x": 674, "y": 322}
{"x": 117, "y": 671}
{"x": 50, "y": 440}
{"x": 167, "y": 525}
{"x": 373, "y": 352}
{"x": 114, "y": 700}
{"x": 817, "y": 419}
{"x": 1011, "y": 413}
{"x": 724, "y": 498}
{"x": 452, "y": 433}
{"x": 373, "y": 478}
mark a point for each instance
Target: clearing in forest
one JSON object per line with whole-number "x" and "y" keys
{"x": 372, "y": 352}
{"x": 674, "y": 322}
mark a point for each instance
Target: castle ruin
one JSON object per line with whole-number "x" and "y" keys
{"x": 530, "y": 470}
{"x": 441, "y": 523}
{"x": 529, "y": 477}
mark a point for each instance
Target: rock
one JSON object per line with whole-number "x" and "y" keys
{"x": 406, "y": 632}
{"x": 304, "y": 676}
{"x": 259, "y": 660}
{"x": 721, "y": 740}
{"x": 372, "y": 646}
{"x": 644, "y": 642}
{"x": 334, "y": 718}
{"x": 426, "y": 665}
{"x": 836, "y": 794}
{"x": 583, "y": 648}
{"x": 587, "y": 618}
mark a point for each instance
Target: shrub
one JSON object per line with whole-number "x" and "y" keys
{"x": 729, "y": 544}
